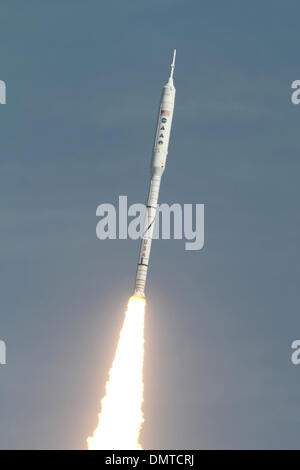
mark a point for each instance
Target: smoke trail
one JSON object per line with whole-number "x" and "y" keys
{"x": 121, "y": 415}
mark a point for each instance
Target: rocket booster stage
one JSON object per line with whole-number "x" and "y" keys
{"x": 158, "y": 163}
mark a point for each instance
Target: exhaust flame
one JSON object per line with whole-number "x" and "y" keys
{"x": 121, "y": 416}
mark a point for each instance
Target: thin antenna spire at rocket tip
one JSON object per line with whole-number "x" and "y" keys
{"x": 173, "y": 64}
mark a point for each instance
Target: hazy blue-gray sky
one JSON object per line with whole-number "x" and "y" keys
{"x": 83, "y": 83}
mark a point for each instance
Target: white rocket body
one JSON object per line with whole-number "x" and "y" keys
{"x": 158, "y": 163}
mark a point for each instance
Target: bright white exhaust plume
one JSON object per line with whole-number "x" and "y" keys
{"x": 121, "y": 415}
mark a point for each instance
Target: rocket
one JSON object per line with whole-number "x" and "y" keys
{"x": 158, "y": 164}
